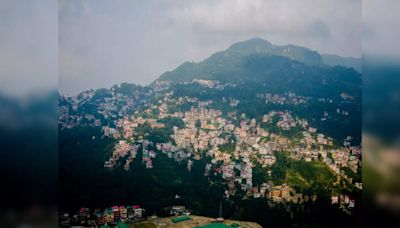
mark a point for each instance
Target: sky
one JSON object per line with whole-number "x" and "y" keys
{"x": 28, "y": 46}
{"x": 380, "y": 23}
{"x": 102, "y": 43}
{"x": 96, "y": 44}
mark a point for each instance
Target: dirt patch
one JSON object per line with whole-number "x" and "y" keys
{"x": 195, "y": 221}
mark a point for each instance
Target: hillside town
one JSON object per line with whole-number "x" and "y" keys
{"x": 234, "y": 143}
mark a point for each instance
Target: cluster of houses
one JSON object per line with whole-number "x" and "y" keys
{"x": 317, "y": 147}
{"x": 205, "y": 130}
{"x": 111, "y": 215}
{"x": 94, "y": 108}
{"x": 179, "y": 210}
{"x": 285, "y": 193}
{"x": 124, "y": 127}
{"x": 234, "y": 142}
{"x": 209, "y": 83}
{"x": 128, "y": 151}
{"x": 122, "y": 149}
{"x": 344, "y": 202}
{"x": 281, "y": 99}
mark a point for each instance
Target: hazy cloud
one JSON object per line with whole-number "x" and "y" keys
{"x": 28, "y": 46}
{"x": 102, "y": 43}
{"x": 380, "y": 28}
{"x": 319, "y": 28}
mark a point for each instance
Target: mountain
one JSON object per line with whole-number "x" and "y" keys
{"x": 335, "y": 60}
{"x": 276, "y": 115}
{"x": 278, "y": 68}
{"x": 257, "y": 45}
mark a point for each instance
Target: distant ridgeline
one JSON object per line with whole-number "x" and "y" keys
{"x": 278, "y": 68}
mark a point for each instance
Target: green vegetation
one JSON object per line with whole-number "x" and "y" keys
{"x": 198, "y": 124}
{"x": 227, "y": 147}
{"x": 279, "y": 168}
{"x": 304, "y": 176}
{"x": 316, "y": 175}
{"x": 180, "y": 219}
{"x": 230, "y": 145}
{"x": 260, "y": 175}
{"x": 161, "y": 135}
{"x": 296, "y": 180}
{"x": 170, "y": 122}
{"x": 84, "y": 180}
{"x": 355, "y": 176}
{"x": 280, "y": 73}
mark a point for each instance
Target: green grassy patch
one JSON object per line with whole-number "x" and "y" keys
{"x": 295, "y": 180}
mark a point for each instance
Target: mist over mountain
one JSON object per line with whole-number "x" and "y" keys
{"x": 336, "y": 60}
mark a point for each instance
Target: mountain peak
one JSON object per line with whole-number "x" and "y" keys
{"x": 251, "y": 46}
{"x": 255, "y": 40}
{"x": 293, "y": 52}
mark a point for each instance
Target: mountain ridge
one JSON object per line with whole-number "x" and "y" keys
{"x": 259, "y": 62}
{"x": 336, "y": 60}
{"x": 293, "y": 52}
{"x": 231, "y": 61}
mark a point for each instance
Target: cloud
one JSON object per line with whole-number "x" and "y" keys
{"x": 380, "y": 23}
{"x": 239, "y": 17}
{"x": 259, "y": 16}
{"x": 28, "y": 46}
{"x": 319, "y": 28}
{"x": 108, "y": 42}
